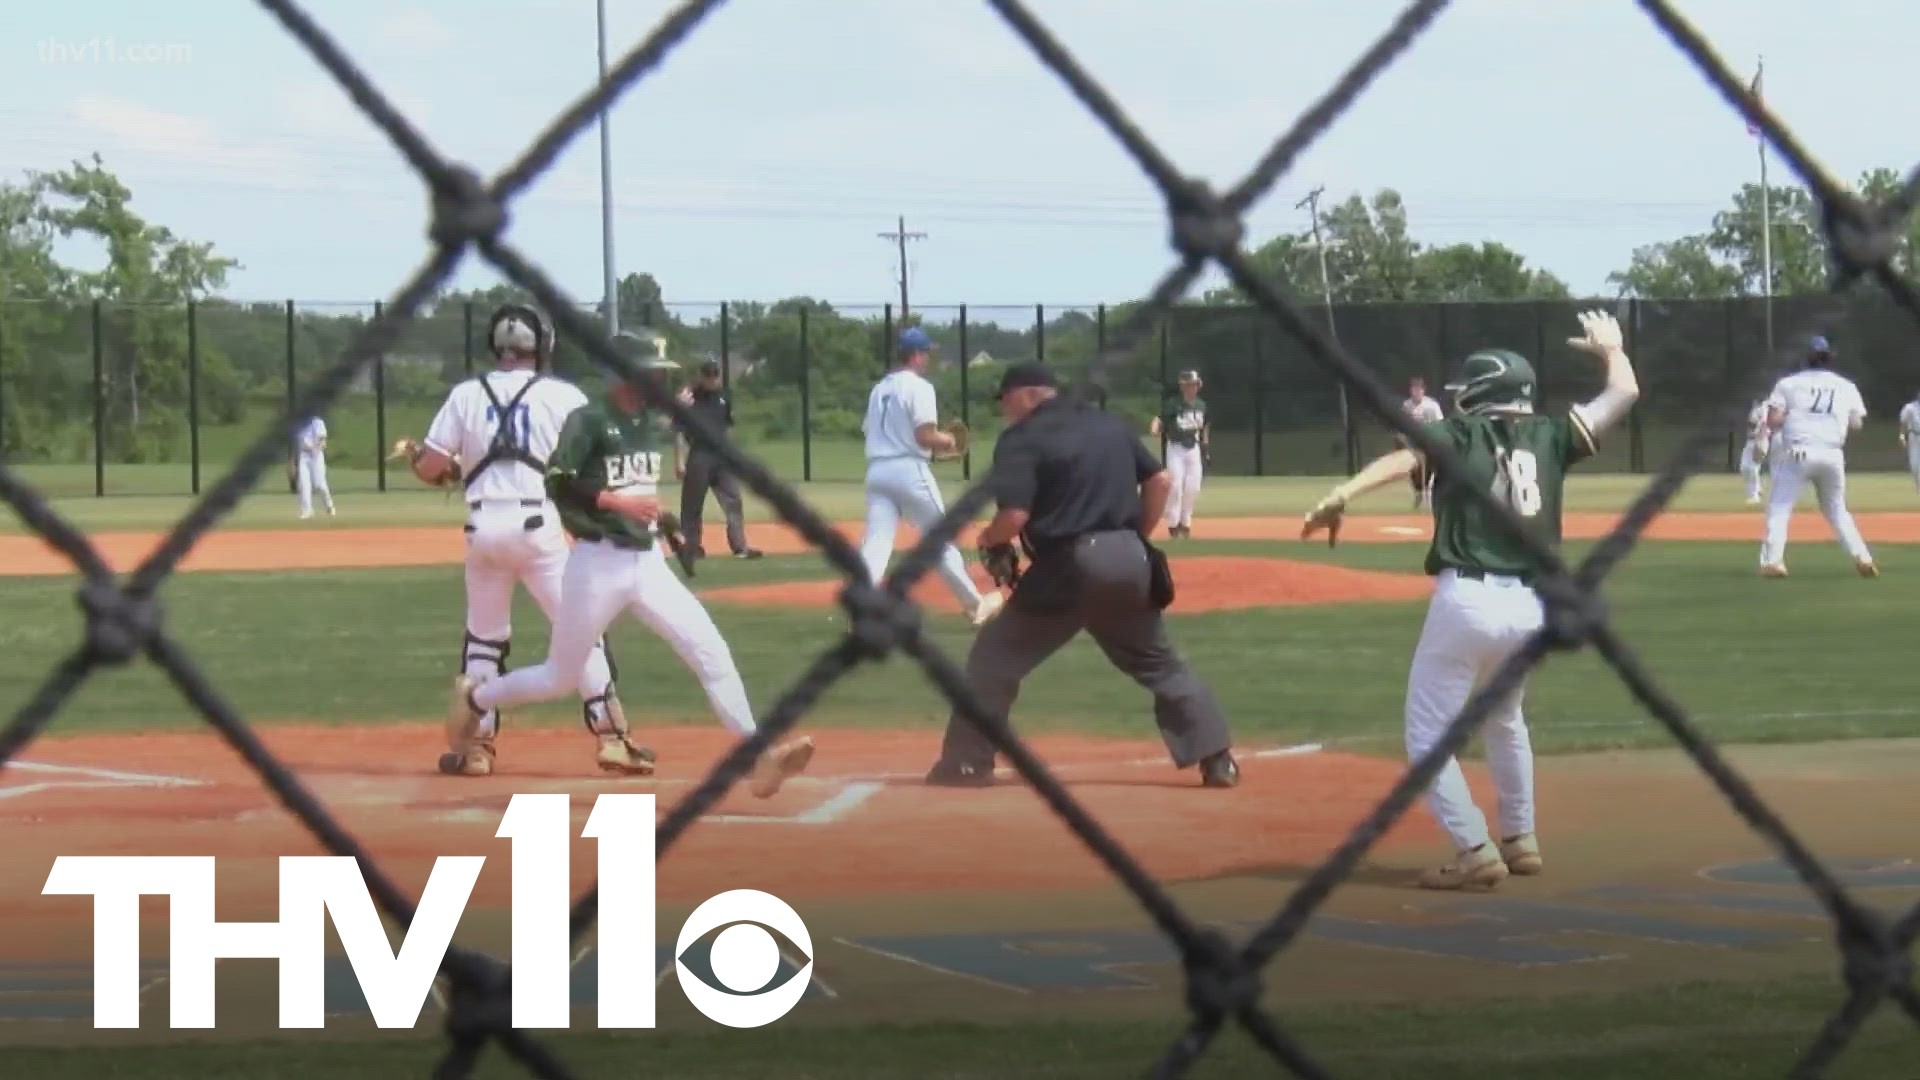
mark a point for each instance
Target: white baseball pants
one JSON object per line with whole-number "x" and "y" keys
{"x": 599, "y": 583}
{"x": 310, "y": 475}
{"x": 1752, "y": 460}
{"x": 1826, "y": 470}
{"x": 1472, "y": 627}
{"x": 1913, "y": 458}
{"x": 502, "y": 551}
{"x": 905, "y": 487}
{"x": 1183, "y": 468}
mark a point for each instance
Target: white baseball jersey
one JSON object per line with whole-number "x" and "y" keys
{"x": 1426, "y": 410}
{"x": 312, "y": 433}
{"x": 1820, "y": 406}
{"x": 1910, "y": 420}
{"x": 897, "y": 407}
{"x": 465, "y": 425}
{"x": 1757, "y": 423}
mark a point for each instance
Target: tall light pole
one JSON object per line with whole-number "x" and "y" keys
{"x": 1312, "y": 204}
{"x": 606, "y": 185}
{"x": 900, "y": 236}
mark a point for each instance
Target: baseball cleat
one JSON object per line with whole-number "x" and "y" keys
{"x": 990, "y": 605}
{"x": 618, "y": 755}
{"x": 779, "y": 764}
{"x": 1753, "y": 500}
{"x": 750, "y": 553}
{"x": 1522, "y": 854}
{"x": 1479, "y": 868}
{"x": 1775, "y": 570}
{"x": 1219, "y": 770}
{"x": 1866, "y": 568}
{"x": 951, "y": 772}
{"x": 476, "y": 761}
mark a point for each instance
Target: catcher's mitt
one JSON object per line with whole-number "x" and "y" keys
{"x": 962, "y": 438}
{"x": 411, "y": 449}
{"x": 669, "y": 526}
{"x": 1327, "y": 515}
{"x": 1002, "y": 563}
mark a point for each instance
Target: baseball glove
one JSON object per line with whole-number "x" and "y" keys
{"x": 1002, "y": 563}
{"x": 1327, "y": 515}
{"x": 962, "y": 438}
{"x": 411, "y": 449}
{"x": 669, "y": 526}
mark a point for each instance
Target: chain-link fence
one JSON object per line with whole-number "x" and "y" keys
{"x": 185, "y": 389}
{"x": 1223, "y": 978}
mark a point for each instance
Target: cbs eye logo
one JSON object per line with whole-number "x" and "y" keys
{"x": 739, "y": 981}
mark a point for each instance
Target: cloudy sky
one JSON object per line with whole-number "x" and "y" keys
{"x": 767, "y": 154}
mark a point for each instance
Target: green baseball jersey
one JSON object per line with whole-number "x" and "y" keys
{"x": 1182, "y": 420}
{"x": 1523, "y": 460}
{"x": 604, "y": 449}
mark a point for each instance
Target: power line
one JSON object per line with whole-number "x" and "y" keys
{"x": 900, "y": 236}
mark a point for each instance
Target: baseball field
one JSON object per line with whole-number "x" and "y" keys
{"x": 968, "y": 933}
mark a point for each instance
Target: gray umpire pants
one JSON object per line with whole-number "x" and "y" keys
{"x": 1097, "y": 584}
{"x": 704, "y": 471}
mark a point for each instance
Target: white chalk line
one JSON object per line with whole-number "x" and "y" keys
{"x": 100, "y": 778}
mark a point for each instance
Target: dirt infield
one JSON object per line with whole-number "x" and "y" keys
{"x": 1205, "y": 584}
{"x": 332, "y": 548}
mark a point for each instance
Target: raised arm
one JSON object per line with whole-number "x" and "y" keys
{"x": 1602, "y": 338}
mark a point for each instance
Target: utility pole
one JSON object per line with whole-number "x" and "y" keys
{"x": 1312, "y": 205}
{"x": 900, "y": 236}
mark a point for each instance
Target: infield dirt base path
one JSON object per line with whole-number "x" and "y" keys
{"x": 334, "y": 548}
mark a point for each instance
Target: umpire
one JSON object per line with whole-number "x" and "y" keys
{"x": 703, "y": 469}
{"x": 1081, "y": 494}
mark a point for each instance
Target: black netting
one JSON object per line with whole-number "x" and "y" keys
{"x": 1223, "y": 978}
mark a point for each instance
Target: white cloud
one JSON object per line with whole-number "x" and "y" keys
{"x": 171, "y": 137}
{"x": 413, "y": 30}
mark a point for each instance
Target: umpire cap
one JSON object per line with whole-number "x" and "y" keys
{"x": 1023, "y": 375}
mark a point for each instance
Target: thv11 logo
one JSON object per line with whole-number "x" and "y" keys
{"x": 743, "y": 956}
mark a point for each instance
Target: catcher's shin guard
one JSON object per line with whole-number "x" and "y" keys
{"x": 616, "y": 753}
{"x": 470, "y": 735}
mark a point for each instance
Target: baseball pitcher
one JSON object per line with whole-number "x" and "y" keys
{"x": 1753, "y": 457}
{"x": 1910, "y": 435}
{"x": 1811, "y": 413}
{"x": 1424, "y": 410}
{"x": 503, "y": 425}
{"x": 1183, "y": 421}
{"x": 310, "y": 465}
{"x": 902, "y": 429}
{"x": 604, "y": 479}
{"x": 1484, "y": 607}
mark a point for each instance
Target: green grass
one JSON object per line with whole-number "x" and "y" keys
{"x": 1696, "y": 1032}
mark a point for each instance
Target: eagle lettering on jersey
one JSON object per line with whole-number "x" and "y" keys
{"x": 1190, "y": 420}
{"x": 628, "y": 470}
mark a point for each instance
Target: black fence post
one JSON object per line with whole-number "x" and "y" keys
{"x": 806, "y": 403}
{"x": 1541, "y": 367}
{"x": 3, "y": 382}
{"x": 466, "y": 338}
{"x": 1736, "y": 442}
{"x": 1636, "y": 450}
{"x": 1164, "y": 391}
{"x": 380, "y": 410}
{"x": 193, "y": 393}
{"x": 99, "y": 409}
{"x": 293, "y": 486}
{"x": 1259, "y": 403}
{"x": 886, "y": 337}
{"x": 1040, "y": 332}
{"x": 726, "y": 352}
{"x": 966, "y": 459}
{"x": 1100, "y": 346}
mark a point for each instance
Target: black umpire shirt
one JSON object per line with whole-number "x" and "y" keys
{"x": 713, "y": 407}
{"x": 1074, "y": 469}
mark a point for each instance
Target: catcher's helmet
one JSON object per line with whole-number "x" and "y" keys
{"x": 1493, "y": 380}
{"x": 518, "y": 328}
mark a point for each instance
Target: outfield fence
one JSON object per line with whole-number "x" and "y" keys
{"x": 105, "y": 398}
{"x": 1223, "y": 977}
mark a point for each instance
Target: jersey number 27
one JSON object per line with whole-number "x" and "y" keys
{"x": 1516, "y": 481}
{"x": 1822, "y": 402}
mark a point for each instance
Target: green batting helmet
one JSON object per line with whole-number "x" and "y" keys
{"x": 1493, "y": 380}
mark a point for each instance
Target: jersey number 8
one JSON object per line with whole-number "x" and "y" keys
{"x": 1518, "y": 481}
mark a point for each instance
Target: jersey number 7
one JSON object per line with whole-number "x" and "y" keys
{"x": 519, "y": 425}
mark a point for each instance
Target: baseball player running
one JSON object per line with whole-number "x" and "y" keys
{"x": 1811, "y": 413}
{"x": 310, "y": 465}
{"x": 1424, "y": 410}
{"x": 1910, "y": 435}
{"x": 903, "y": 434}
{"x": 1484, "y": 607}
{"x": 604, "y": 478}
{"x": 1183, "y": 421}
{"x": 1753, "y": 457}
{"x": 504, "y": 425}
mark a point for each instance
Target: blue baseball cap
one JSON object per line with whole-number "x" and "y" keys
{"x": 1819, "y": 344}
{"x": 913, "y": 340}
